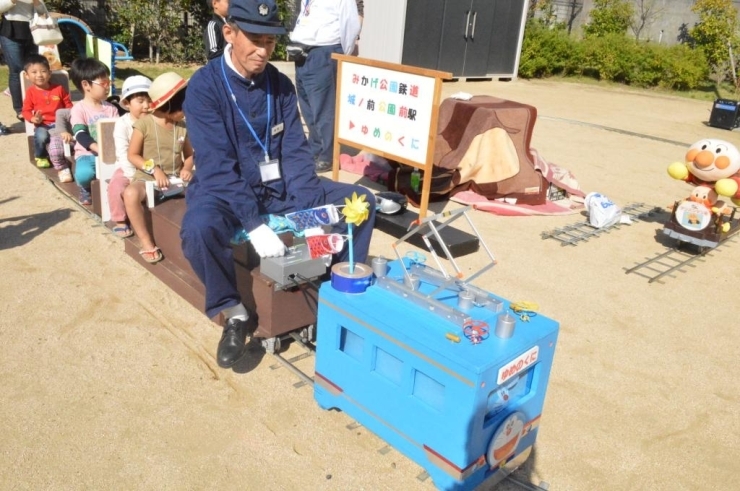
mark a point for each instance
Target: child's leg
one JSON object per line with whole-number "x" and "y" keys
{"x": 116, "y": 186}
{"x": 84, "y": 175}
{"x": 55, "y": 149}
{"x": 133, "y": 197}
{"x": 40, "y": 140}
{"x": 62, "y": 121}
{"x": 85, "y": 171}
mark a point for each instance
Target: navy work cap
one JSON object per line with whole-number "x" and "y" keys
{"x": 256, "y": 16}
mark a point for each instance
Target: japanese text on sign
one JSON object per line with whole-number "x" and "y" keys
{"x": 386, "y": 110}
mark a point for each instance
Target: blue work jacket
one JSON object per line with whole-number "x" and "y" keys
{"x": 226, "y": 154}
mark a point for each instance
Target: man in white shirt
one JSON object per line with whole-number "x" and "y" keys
{"x": 323, "y": 27}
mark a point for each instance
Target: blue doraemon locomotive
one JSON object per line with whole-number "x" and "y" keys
{"x": 432, "y": 378}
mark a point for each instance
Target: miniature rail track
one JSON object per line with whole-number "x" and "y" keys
{"x": 674, "y": 260}
{"x": 303, "y": 340}
{"x": 583, "y": 231}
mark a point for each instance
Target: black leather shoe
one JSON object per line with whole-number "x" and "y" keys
{"x": 323, "y": 166}
{"x": 233, "y": 342}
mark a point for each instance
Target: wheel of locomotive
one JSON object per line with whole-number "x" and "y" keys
{"x": 278, "y": 344}
{"x": 308, "y": 334}
{"x": 271, "y": 345}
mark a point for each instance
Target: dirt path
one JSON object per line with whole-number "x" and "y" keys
{"x": 109, "y": 379}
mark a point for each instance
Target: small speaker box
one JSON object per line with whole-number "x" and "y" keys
{"x": 725, "y": 114}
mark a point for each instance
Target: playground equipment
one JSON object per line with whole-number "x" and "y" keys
{"x": 105, "y": 50}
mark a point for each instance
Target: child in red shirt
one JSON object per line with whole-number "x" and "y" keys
{"x": 40, "y": 108}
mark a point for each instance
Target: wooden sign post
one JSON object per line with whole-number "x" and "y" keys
{"x": 391, "y": 111}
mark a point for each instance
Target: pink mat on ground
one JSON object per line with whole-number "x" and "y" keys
{"x": 376, "y": 168}
{"x": 554, "y": 174}
{"x": 371, "y": 166}
{"x": 562, "y": 207}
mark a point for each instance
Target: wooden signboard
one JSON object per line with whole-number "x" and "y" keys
{"x": 389, "y": 110}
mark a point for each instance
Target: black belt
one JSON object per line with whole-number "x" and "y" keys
{"x": 306, "y": 48}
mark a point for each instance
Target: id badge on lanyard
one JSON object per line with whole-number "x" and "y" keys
{"x": 270, "y": 170}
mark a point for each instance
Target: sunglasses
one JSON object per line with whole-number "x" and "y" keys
{"x": 105, "y": 85}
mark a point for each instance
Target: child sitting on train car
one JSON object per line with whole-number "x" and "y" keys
{"x": 40, "y": 106}
{"x": 92, "y": 78}
{"x": 135, "y": 99}
{"x": 160, "y": 150}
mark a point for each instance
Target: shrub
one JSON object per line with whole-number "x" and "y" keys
{"x": 647, "y": 67}
{"x": 545, "y": 51}
{"x": 684, "y": 68}
{"x": 612, "y": 57}
{"x": 608, "y": 57}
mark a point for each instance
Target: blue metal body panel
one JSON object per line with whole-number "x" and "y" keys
{"x": 390, "y": 364}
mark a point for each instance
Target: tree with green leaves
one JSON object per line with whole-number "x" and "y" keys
{"x": 716, "y": 33}
{"x": 170, "y": 29}
{"x": 158, "y": 21}
{"x": 609, "y": 17}
{"x": 69, "y": 7}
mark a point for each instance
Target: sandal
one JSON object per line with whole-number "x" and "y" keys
{"x": 151, "y": 256}
{"x": 123, "y": 231}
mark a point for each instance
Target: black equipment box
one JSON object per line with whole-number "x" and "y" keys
{"x": 725, "y": 114}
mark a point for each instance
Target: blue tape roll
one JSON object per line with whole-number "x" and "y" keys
{"x": 356, "y": 282}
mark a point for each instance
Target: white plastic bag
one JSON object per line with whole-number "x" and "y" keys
{"x": 601, "y": 211}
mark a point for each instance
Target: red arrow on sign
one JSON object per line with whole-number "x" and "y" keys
{"x": 351, "y": 125}
{"x": 400, "y": 140}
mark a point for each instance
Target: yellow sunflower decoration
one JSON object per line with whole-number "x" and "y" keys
{"x": 355, "y": 211}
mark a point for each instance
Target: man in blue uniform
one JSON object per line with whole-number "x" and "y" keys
{"x": 251, "y": 159}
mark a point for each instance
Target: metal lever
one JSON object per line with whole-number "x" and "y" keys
{"x": 475, "y": 18}
{"x": 467, "y": 24}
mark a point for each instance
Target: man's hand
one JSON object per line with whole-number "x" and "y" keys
{"x": 266, "y": 242}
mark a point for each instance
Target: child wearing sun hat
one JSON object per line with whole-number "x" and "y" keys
{"x": 134, "y": 99}
{"x": 159, "y": 150}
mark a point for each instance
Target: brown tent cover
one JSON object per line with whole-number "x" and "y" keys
{"x": 484, "y": 142}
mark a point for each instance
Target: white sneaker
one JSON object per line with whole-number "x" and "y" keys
{"x": 65, "y": 175}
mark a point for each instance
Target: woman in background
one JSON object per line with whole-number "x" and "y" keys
{"x": 17, "y": 44}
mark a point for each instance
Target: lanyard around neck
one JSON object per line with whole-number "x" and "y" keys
{"x": 265, "y": 146}
{"x": 174, "y": 146}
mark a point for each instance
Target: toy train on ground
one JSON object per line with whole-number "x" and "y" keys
{"x": 702, "y": 219}
{"x": 694, "y": 223}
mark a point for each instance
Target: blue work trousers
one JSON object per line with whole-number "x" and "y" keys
{"x": 209, "y": 224}
{"x": 316, "y": 85}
